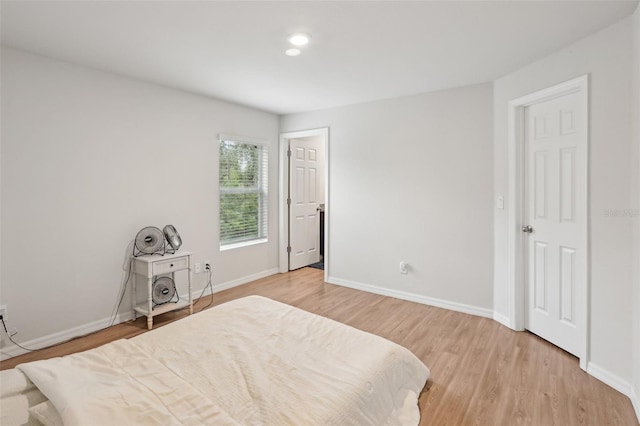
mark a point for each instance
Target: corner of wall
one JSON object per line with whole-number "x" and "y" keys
{"x": 635, "y": 202}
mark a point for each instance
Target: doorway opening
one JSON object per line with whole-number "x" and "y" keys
{"x": 304, "y": 200}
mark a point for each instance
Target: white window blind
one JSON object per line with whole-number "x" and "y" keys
{"x": 243, "y": 191}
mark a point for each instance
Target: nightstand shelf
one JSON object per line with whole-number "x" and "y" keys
{"x": 143, "y": 308}
{"x": 148, "y": 267}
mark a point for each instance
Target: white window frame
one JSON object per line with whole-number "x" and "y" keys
{"x": 262, "y": 189}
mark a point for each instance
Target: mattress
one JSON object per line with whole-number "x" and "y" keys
{"x": 251, "y": 361}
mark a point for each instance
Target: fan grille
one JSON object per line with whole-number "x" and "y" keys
{"x": 164, "y": 289}
{"x": 173, "y": 237}
{"x": 149, "y": 240}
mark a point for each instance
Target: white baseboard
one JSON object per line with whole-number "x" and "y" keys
{"x": 610, "y": 379}
{"x": 617, "y": 383}
{"x": 233, "y": 283}
{"x": 244, "y": 280}
{"x": 412, "y": 297}
{"x": 635, "y": 401}
{"x": 63, "y": 336}
{"x": 502, "y": 319}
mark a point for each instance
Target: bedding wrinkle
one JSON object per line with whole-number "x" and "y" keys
{"x": 14, "y": 382}
{"x": 251, "y": 361}
{"x": 17, "y": 394}
{"x": 130, "y": 388}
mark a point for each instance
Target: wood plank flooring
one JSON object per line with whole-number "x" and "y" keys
{"x": 482, "y": 373}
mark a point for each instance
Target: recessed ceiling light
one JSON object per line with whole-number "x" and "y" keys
{"x": 292, "y": 52}
{"x": 299, "y": 39}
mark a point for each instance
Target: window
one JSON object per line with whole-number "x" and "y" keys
{"x": 243, "y": 192}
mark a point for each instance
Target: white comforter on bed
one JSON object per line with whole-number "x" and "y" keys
{"x": 252, "y": 361}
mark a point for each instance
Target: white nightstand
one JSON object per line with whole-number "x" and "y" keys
{"x": 150, "y": 266}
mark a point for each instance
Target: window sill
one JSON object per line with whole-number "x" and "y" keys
{"x": 242, "y": 244}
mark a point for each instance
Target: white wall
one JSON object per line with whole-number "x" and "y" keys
{"x": 636, "y": 203}
{"x": 1, "y": 208}
{"x": 411, "y": 179}
{"x": 606, "y": 57}
{"x": 88, "y": 159}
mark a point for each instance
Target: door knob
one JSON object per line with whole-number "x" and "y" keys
{"x": 528, "y": 229}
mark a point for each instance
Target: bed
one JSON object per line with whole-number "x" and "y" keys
{"x": 251, "y": 361}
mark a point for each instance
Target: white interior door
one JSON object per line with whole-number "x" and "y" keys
{"x": 556, "y": 190}
{"x": 306, "y": 183}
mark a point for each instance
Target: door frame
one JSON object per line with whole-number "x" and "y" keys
{"x": 283, "y": 215}
{"x": 516, "y": 248}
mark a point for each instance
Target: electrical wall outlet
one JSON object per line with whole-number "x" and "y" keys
{"x": 404, "y": 267}
{"x": 3, "y": 311}
{"x": 207, "y": 265}
{"x": 198, "y": 268}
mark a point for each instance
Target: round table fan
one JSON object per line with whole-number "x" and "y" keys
{"x": 172, "y": 237}
{"x": 149, "y": 240}
{"x": 164, "y": 289}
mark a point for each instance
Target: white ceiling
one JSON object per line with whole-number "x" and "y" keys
{"x": 360, "y": 51}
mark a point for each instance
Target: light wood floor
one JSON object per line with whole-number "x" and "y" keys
{"x": 481, "y": 372}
